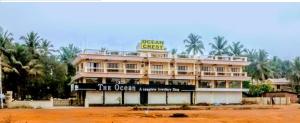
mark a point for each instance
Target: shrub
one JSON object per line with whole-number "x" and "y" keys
{"x": 185, "y": 107}
{"x": 179, "y": 115}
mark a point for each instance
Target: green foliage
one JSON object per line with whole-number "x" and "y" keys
{"x": 258, "y": 90}
{"x": 32, "y": 70}
{"x": 246, "y": 84}
{"x": 194, "y": 44}
{"x": 219, "y": 47}
{"x": 236, "y": 49}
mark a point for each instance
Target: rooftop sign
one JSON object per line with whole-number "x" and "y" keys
{"x": 152, "y": 45}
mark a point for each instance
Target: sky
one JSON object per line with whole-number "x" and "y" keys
{"x": 274, "y": 27}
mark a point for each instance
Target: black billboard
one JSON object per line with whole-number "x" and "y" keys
{"x": 132, "y": 87}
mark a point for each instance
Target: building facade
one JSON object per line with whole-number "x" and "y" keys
{"x": 154, "y": 76}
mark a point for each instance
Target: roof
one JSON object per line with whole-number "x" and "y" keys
{"x": 280, "y": 81}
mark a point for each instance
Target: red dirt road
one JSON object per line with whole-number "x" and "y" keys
{"x": 286, "y": 114}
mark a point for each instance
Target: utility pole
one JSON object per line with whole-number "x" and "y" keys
{"x": 1, "y": 94}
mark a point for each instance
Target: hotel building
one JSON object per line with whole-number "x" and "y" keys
{"x": 151, "y": 75}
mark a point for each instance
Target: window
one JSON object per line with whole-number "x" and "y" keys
{"x": 182, "y": 68}
{"x": 178, "y": 82}
{"x": 206, "y": 68}
{"x": 93, "y": 80}
{"x": 220, "y": 84}
{"x": 157, "y": 82}
{"x": 235, "y": 69}
{"x": 204, "y": 84}
{"x": 132, "y": 81}
{"x": 131, "y": 66}
{"x": 220, "y": 69}
{"x": 235, "y": 84}
{"x": 92, "y": 67}
{"x": 113, "y": 80}
{"x": 157, "y": 67}
{"x": 113, "y": 65}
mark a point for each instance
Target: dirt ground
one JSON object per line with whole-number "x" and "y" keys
{"x": 283, "y": 114}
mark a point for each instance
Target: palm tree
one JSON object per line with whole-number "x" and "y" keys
{"x": 219, "y": 47}
{"x": 260, "y": 68}
{"x": 21, "y": 68}
{"x": 251, "y": 54}
{"x": 236, "y": 49}
{"x": 67, "y": 55}
{"x": 46, "y": 47}
{"x": 294, "y": 74}
{"x": 194, "y": 44}
{"x": 5, "y": 40}
{"x": 173, "y": 52}
{"x": 32, "y": 41}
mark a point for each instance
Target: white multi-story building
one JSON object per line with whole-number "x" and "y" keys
{"x": 153, "y": 76}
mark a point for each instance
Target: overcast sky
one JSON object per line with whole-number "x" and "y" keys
{"x": 274, "y": 27}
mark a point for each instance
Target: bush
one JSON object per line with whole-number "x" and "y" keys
{"x": 179, "y": 115}
{"x": 258, "y": 90}
{"x": 185, "y": 107}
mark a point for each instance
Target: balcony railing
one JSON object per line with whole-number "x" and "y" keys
{"x": 224, "y": 74}
{"x": 180, "y": 56}
{"x": 114, "y": 70}
{"x": 94, "y": 69}
{"x": 185, "y": 72}
{"x": 132, "y": 71}
{"x": 159, "y": 72}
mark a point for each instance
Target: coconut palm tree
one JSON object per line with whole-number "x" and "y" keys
{"x": 236, "y": 49}
{"x": 32, "y": 41}
{"x": 194, "y": 44}
{"x": 219, "y": 47}
{"x": 173, "y": 52}
{"x": 294, "y": 74}
{"x": 251, "y": 54}
{"x": 67, "y": 55}
{"x": 21, "y": 68}
{"x": 260, "y": 68}
{"x": 46, "y": 47}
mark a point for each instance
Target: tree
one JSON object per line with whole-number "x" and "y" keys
{"x": 67, "y": 55}
{"x": 46, "y": 47}
{"x": 294, "y": 75}
{"x": 173, "y": 51}
{"x": 22, "y": 69}
{"x": 236, "y": 49}
{"x": 251, "y": 54}
{"x": 260, "y": 68}
{"x": 194, "y": 44}
{"x": 219, "y": 47}
{"x": 32, "y": 41}
{"x": 258, "y": 90}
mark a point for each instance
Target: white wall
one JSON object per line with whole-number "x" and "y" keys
{"x": 203, "y": 97}
{"x": 131, "y": 97}
{"x": 94, "y": 97}
{"x": 33, "y": 104}
{"x": 113, "y": 97}
{"x": 156, "y": 97}
{"x": 179, "y": 97}
{"x": 218, "y": 97}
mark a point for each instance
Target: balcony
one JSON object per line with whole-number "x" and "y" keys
{"x": 115, "y": 70}
{"x": 94, "y": 69}
{"x": 159, "y": 72}
{"x": 213, "y": 75}
{"x": 132, "y": 71}
{"x": 224, "y": 74}
{"x": 185, "y": 72}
